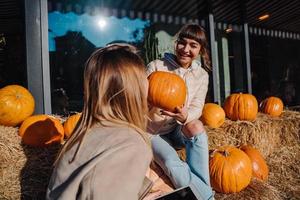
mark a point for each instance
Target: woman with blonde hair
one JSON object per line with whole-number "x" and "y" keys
{"x": 108, "y": 153}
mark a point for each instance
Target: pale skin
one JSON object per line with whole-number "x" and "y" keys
{"x": 153, "y": 195}
{"x": 186, "y": 51}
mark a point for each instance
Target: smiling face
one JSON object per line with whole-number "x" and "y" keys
{"x": 186, "y": 51}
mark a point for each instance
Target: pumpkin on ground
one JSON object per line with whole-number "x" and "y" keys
{"x": 259, "y": 166}
{"x": 41, "y": 131}
{"x": 166, "y": 90}
{"x": 241, "y": 107}
{"x": 272, "y": 106}
{"x": 70, "y": 124}
{"x": 230, "y": 169}
{"x": 16, "y": 104}
{"x": 213, "y": 115}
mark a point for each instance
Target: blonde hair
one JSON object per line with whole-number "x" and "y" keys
{"x": 115, "y": 90}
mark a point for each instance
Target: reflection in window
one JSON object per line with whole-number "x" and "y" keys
{"x": 72, "y": 39}
{"x": 96, "y": 29}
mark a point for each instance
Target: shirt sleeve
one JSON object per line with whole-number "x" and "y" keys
{"x": 121, "y": 176}
{"x": 196, "y": 105}
{"x": 151, "y": 67}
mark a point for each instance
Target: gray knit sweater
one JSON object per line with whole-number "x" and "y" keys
{"x": 110, "y": 165}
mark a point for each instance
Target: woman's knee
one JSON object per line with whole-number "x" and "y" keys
{"x": 193, "y": 128}
{"x": 178, "y": 172}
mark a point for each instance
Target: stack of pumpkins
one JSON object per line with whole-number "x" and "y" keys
{"x": 16, "y": 108}
{"x": 231, "y": 168}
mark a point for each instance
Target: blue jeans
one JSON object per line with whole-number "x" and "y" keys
{"x": 194, "y": 171}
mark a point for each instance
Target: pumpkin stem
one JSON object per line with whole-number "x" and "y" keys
{"x": 212, "y": 152}
{"x": 226, "y": 153}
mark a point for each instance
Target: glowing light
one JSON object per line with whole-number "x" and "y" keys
{"x": 263, "y": 17}
{"x": 102, "y": 23}
{"x": 228, "y": 30}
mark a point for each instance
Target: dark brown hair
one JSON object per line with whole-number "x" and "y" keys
{"x": 197, "y": 33}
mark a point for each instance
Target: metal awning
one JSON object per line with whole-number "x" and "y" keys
{"x": 284, "y": 15}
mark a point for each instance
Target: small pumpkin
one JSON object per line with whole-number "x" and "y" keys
{"x": 41, "y": 131}
{"x": 16, "y": 104}
{"x": 259, "y": 166}
{"x": 272, "y": 106}
{"x": 70, "y": 124}
{"x": 230, "y": 169}
{"x": 241, "y": 107}
{"x": 166, "y": 90}
{"x": 213, "y": 115}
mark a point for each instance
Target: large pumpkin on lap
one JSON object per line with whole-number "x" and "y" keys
{"x": 166, "y": 90}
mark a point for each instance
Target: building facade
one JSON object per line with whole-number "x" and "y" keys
{"x": 55, "y": 37}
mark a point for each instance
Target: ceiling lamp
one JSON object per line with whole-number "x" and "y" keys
{"x": 228, "y": 30}
{"x": 264, "y": 17}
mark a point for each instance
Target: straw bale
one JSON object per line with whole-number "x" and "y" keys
{"x": 12, "y": 159}
{"x": 284, "y": 173}
{"x": 25, "y": 171}
{"x": 255, "y": 190}
{"x": 265, "y": 133}
{"x": 283, "y": 181}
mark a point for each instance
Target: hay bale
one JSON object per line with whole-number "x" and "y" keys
{"x": 25, "y": 171}
{"x": 283, "y": 181}
{"x": 278, "y": 139}
{"x": 285, "y": 171}
{"x": 262, "y": 134}
{"x": 255, "y": 190}
{"x": 12, "y": 159}
{"x": 265, "y": 133}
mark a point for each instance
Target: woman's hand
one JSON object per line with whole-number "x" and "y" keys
{"x": 180, "y": 114}
{"x": 153, "y": 195}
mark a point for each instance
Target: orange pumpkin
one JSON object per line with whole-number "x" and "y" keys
{"x": 230, "y": 169}
{"x": 213, "y": 115}
{"x": 166, "y": 90}
{"x": 259, "y": 167}
{"x": 16, "y": 104}
{"x": 41, "y": 131}
{"x": 70, "y": 124}
{"x": 241, "y": 107}
{"x": 272, "y": 106}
